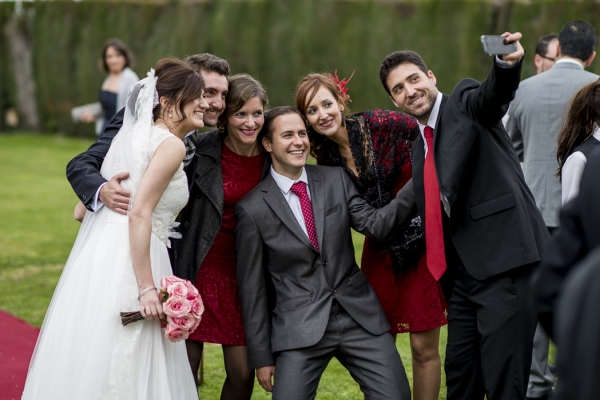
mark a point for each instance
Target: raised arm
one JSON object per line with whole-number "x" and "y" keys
{"x": 488, "y": 103}
{"x": 83, "y": 171}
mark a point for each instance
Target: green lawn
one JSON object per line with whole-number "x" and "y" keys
{"x": 37, "y": 230}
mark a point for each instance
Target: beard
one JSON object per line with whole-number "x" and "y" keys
{"x": 424, "y": 112}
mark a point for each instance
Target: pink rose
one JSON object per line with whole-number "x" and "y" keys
{"x": 175, "y": 334}
{"x": 197, "y": 307}
{"x": 176, "y": 307}
{"x": 177, "y": 289}
{"x": 192, "y": 291}
{"x": 185, "y": 323}
{"x": 196, "y": 323}
{"x": 169, "y": 280}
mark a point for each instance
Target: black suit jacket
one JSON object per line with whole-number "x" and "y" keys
{"x": 494, "y": 223}
{"x": 271, "y": 244}
{"x": 83, "y": 171}
{"x": 578, "y": 234}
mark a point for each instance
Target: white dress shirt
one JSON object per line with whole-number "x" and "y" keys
{"x": 572, "y": 170}
{"x": 285, "y": 184}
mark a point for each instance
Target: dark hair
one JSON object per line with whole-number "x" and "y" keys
{"x": 391, "y": 61}
{"x": 582, "y": 119}
{"x": 121, "y": 48}
{"x": 541, "y": 48}
{"x": 272, "y": 115}
{"x": 178, "y": 82}
{"x": 208, "y": 63}
{"x": 242, "y": 88}
{"x": 577, "y": 39}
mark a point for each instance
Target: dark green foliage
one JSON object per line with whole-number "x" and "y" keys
{"x": 277, "y": 41}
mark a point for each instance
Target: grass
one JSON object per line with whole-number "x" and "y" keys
{"x": 37, "y": 231}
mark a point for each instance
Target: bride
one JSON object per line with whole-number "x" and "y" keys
{"x": 83, "y": 351}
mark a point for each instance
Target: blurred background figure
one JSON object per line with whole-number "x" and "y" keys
{"x": 546, "y": 52}
{"x": 116, "y": 61}
{"x": 536, "y": 115}
{"x": 579, "y": 136}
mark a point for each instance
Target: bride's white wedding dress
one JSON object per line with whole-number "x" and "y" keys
{"x": 83, "y": 351}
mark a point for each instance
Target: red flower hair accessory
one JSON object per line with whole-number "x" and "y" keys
{"x": 342, "y": 85}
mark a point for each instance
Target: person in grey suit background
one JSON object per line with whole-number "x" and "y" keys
{"x": 538, "y": 110}
{"x": 546, "y": 51}
{"x": 536, "y": 116}
{"x": 295, "y": 228}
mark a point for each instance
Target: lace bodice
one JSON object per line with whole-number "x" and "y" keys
{"x": 175, "y": 196}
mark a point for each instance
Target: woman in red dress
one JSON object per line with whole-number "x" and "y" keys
{"x": 374, "y": 148}
{"x": 230, "y": 152}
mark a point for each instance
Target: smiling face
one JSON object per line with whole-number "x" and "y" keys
{"x": 115, "y": 61}
{"x": 324, "y": 112}
{"x": 412, "y": 91}
{"x": 245, "y": 124}
{"x": 194, "y": 116}
{"x": 288, "y": 145}
{"x": 215, "y": 91}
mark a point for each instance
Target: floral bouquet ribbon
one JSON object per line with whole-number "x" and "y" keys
{"x": 182, "y": 306}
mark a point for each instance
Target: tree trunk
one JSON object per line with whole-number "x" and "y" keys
{"x": 16, "y": 31}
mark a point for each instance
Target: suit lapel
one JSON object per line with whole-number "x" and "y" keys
{"x": 317, "y": 194}
{"x": 281, "y": 208}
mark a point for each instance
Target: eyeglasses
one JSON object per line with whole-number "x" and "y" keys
{"x": 548, "y": 58}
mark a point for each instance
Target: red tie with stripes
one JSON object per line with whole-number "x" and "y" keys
{"x": 434, "y": 232}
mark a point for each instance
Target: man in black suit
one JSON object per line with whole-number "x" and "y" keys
{"x": 294, "y": 229}
{"x": 578, "y": 235}
{"x": 486, "y": 234}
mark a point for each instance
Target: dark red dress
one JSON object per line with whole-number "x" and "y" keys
{"x": 412, "y": 300}
{"x": 222, "y": 319}
{"x": 381, "y": 143}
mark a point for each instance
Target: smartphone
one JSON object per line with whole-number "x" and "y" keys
{"x": 495, "y": 45}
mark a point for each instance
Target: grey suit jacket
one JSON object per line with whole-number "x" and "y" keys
{"x": 270, "y": 241}
{"x": 536, "y": 116}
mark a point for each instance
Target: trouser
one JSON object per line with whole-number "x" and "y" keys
{"x": 541, "y": 380}
{"x": 490, "y": 336}
{"x": 372, "y": 360}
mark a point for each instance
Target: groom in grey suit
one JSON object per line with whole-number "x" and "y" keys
{"x": 293, "y": 230}
{"x": 536, "y": 116}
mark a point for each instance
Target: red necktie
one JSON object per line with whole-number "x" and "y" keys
{"x": 434, "y": 233}
{"x": 299, "y": 188}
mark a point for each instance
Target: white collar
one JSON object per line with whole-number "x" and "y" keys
{"x": 285, "y": 183}
{"x": 568, "y": 60}
{"x": 596, "y": 133}
{"x": 434, "y": 113}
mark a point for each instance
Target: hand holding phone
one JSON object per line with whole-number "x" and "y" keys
{"x": 496, "y": 45}
{"x": 510, "y": 49}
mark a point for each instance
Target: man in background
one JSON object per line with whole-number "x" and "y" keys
{"x": 536, "y": 115}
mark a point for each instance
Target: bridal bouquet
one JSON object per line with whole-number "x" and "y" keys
{"x": 182, "y": 305}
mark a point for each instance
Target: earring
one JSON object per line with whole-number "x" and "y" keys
{"x": 170, "y": 113}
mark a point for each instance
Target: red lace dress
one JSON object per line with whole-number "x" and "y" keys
{"x": 381, "y": 143}
{"x": 412, "y": 300}
{"x": 222, "y": 319}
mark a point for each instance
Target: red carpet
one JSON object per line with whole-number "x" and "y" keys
{"x": 17, "y": 341}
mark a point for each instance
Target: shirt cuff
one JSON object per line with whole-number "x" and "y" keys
{"x": 97, "y": 204}
{"x": 504, "y": 64}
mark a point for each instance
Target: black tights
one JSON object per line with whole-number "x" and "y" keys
{"x": 239, "y": 380}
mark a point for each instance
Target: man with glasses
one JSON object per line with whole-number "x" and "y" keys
{"x": 546, "y": 51}
{"x": 536, "y": 116}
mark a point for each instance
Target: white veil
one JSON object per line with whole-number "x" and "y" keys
{"x": 132, "y": 147}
